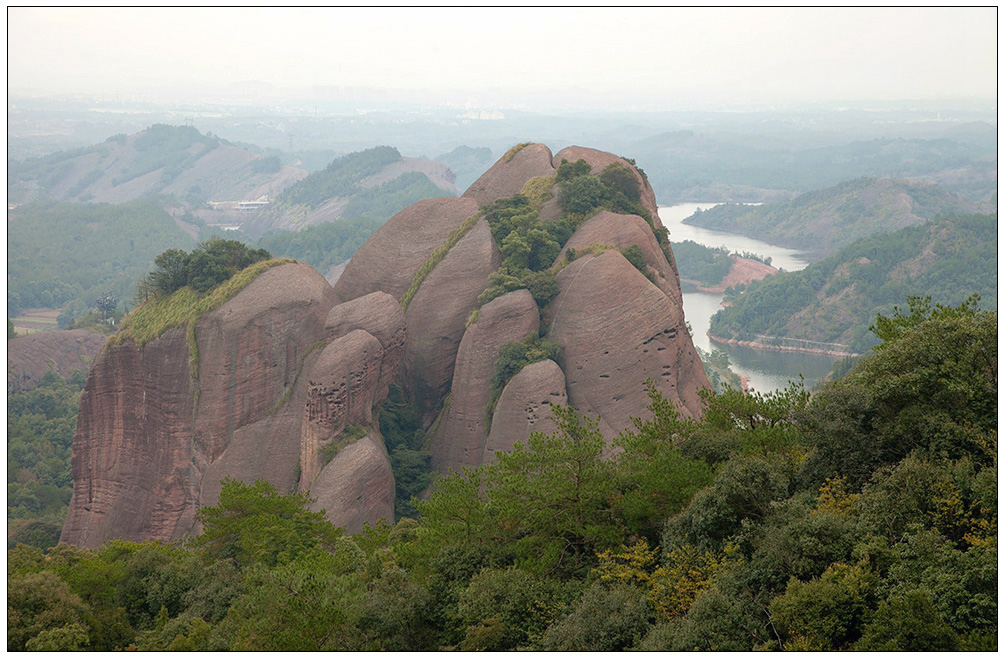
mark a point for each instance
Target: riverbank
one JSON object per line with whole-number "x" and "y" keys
{"x": 743, "y": 271}
{"x": 758, "y": 345}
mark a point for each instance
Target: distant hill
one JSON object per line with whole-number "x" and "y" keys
{"x": 823, "y": 221}
{"x": 713, "y": 269}
{"x": 175, "y": 161}
{"x": 835, "y": 300}
{"x": 63, "y": 254}
{"x": 375, "y": 183}
{"x": 774, "y": 161}
{"x": 467, "y": 162}
{"x": 230, "y": 185}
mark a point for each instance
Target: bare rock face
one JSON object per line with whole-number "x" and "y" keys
{"x": 133, "y": 475}
{"x": 340, "y": 392}
{"x": 389, "y": 259}
{"x": 438, "y": 312}
{"x": 617, "y": 330}
{"x": 461, "y": 435}
{"x": 525, "y": 406}
{"x": 357, "y": 486}
{"x": 621, "y": 231}
{"x": 601, "y": 160}
{"x": 507, "y": 177}
{"x": 380, "y": 315}
{"x": 152, "y": 441}
{"x": 251, "y": 348}
{"x": 31, "y": 356}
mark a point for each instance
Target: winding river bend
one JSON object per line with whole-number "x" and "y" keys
{"x": 767, "y": 370}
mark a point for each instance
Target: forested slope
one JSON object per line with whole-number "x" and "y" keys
{"x": 835, "y": 300}
{"x": 863, "y": 518}
{"x": 63, "y": 254}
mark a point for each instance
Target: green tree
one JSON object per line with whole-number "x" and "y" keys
{"x": 42, "y": 604}
{"x": 656, "y": 480}
{"x": 310, "y": 603}
{"x": 255, "y": 523}
{"x": 551, "y": 497}
{"x": 607, "y": 618}
{"x": 908, "y": 623}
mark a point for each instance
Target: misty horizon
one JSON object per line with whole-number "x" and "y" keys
{"x": 641, "y": 59}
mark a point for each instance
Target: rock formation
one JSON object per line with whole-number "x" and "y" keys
{"x": 389, "y": 259}
{"x": 459, "y": 440}
{"x": 525, "y": 406}
{"x": 153, "y": 441}
{"x": 618, "y": 330}
{"x": 291, "y": 372}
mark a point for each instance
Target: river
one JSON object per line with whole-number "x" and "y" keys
{"x": 767, "y": 370}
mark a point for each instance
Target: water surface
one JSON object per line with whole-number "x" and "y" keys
{"x": 767, "y": 370}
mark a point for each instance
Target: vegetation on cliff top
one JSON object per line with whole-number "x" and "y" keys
{"x": 863, "y": 518}
{"x": 185, "y": 286}
{"x": 530, "y": 245}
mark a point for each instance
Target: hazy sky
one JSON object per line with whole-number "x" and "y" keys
{"x": 655, "y": 57}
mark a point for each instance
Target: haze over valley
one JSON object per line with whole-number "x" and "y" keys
{"x": 502, "y": 329}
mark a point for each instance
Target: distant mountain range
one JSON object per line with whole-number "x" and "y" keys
{"x": 823, "y": 221}
{"x": 221, "y": 183}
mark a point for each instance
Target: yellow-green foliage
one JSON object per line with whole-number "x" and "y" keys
{"x": 434, "y": 259}
{"x": 672, "y": 587}
{"x": 472, "y": 319}
{"x": 835, "y": 498}
{"x": 515, "y": 150}
{"x": 538, "y": 190}
{"x": 184, "y": 307}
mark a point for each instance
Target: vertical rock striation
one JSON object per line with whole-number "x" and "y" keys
{"x": 459, "y": 440}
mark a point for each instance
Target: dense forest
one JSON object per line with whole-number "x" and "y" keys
{"x": 339, "y": 179}
{"x": 706, "y": 265}
{"x": 40, "y": 426}
{"x": 863, "y": 517}
{"x": 322, "y": 245}
{"x": 823, "y": 221}
{"x": 834, "y": 300}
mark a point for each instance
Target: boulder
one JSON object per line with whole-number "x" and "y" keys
{"x": 617, "y": 330}
{"x": 507, "y": 176}
{"x": 621, "y": 231}
{"x": 438, "y": 313}
{"x": 389, "y": 259}
{"x": 380, "y": 315}
{"x": 340, "y": 392}
{"x": 460, "y": 437}
{"x": 31, "y": 356}
{"x": 525, "y": 406}
{"x": 357, "y": 486}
